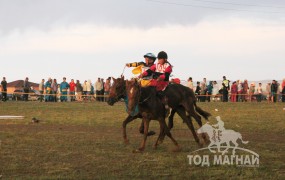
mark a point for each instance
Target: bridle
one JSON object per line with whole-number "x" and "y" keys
{"x": 121, "y": 94}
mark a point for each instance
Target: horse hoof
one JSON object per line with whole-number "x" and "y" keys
{"x": 160, "y": 142}
{"x": 150, "y": 133}
{"x": 126, "y": 141}
{"x": 137, "y": 151}
{"x": 177, "y": 149}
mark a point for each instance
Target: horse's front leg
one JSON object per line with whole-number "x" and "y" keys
{"x": 125, "y": 122}
{"x": 141, "y": 129}
{"x": 146, "y": 126}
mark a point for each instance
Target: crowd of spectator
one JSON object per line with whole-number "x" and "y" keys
{"x": 52, "y": 91}
{"x": 236, "y": 91}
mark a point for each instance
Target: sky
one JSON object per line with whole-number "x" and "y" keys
{"x": 87, "y": 39}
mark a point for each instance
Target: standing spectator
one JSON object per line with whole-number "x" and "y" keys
{"x": 204, "y": 81}
{"x": 215, "y": 90}
{"x": 48, "y": 90}
{"x": 259, "y": 92}
{"x": 209, "y": 91}
{"x": 26, "y": 89}
{"x": 88, "y": 89}
{"x": 190, "y": 83}
{"x": 283, "y": 90}
{"x": 203, "y": 92}
{"x": 234, "y": 90}
{"x": 251, "y": 91}
{"x": 79, "y": 90}
{"x": 245, "y": 90}
{"x": 41, "y": 89}
{"x": 102, "y": 90}
{"x": 268, "y": 92}
{"x": 98, "y": 87}
{"x": 274, "y": 89}
{"x": 63, "y": 90}
{"x": 107, "y": 86}
{"x": 226, "y": 87}
{"x": 72, "y": 90}
{"x": 54, "y": 91}
{"x": 240, "y": 90}
{"x": 84, "y": 87}
{"x": 198, "y": 91}
{"x": 4, "y": 89}
{"x": 58, "y": 92}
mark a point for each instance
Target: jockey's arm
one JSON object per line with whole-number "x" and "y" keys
{"x": 135, "y": 64}
{"x": 149, "y": 72}
{"x": 165, "y": 76}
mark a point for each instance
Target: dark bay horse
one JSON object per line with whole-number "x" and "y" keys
{"x": 180, "y": 98}
{"x": 150, "y": 107}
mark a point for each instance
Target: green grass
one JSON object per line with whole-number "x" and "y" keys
{"x": 84, "y": 141}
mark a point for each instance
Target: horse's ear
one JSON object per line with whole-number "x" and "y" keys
{"x": 122, "y": 76}
{"x": 113, "y": 79}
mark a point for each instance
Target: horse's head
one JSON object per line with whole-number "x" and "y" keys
{"x": 133, "y": 92}
{"x": 117, "y": 90}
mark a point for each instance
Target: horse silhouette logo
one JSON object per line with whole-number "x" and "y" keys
{"x": 218, "y": 135}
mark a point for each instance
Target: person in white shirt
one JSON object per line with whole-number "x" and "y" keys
{"x": 259, "y": 92}
{"x": 190, "y": 83}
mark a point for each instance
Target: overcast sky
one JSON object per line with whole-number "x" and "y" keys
{"x": 87, "y": 39}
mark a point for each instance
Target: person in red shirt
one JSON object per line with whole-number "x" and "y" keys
{"x": 72, "y": 86}
{"x": 234, "y": 91}
{"x": 161, "y": 72}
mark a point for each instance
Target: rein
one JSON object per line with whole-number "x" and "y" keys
{"x": 145, "y": 99}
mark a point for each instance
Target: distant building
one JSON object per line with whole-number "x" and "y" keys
{"x": 14, "y": 85}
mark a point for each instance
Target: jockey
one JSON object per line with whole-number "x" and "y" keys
{"x": 161, "y": 72}
{"x": 143, "y": 67}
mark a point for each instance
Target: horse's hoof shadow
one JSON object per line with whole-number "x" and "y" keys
{"x": 126, "y": 142}
{"x": 150, "y": 133}
{"x": 154, "y": 146}
{"x": 138, "y": 151}
{"x": 177, "y": 149}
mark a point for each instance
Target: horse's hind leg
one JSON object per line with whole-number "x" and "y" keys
{"x": 125, "y": 122}
{"x": 189, "y": 107}
{"x": 170, "y": 119}
{"x": 161, "y": 135}
{"x": 167, "y": 132}
{"x": 189, "y": 123}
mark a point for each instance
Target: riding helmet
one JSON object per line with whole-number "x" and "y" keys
{"x": 150, "y": 55}
{"x": 162, "y": 55}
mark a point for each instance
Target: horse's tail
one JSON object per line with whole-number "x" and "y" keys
{"x": 203, "y": 113}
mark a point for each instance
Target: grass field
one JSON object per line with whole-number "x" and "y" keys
{"x": 84, "y": 141}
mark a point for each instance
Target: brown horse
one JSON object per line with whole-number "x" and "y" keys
{"x": 118, "y": 91}
{"x": 150, "y": 107}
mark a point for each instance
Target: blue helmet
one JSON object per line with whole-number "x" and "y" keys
{"x": 150, "y": 55}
